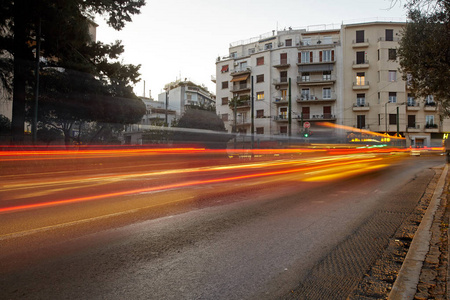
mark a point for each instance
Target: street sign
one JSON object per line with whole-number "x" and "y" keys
{"x": 306, "y": 125}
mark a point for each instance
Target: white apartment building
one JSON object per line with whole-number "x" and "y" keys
{"x": 348, "y": 75}
{"x": 184, "y": 93}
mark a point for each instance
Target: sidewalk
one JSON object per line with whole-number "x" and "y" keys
{"x": 424, "y": 273}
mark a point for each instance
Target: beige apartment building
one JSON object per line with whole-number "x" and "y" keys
{"x": 347, "y": 75}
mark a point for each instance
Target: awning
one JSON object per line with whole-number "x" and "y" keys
{"x": 316, "y": 68}
{"x": 240, "y": 78}
{"x": 224, "y": 68}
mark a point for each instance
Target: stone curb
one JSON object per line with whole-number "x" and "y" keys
{"x": 405, "y": 285}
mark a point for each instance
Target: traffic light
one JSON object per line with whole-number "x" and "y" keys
{"x": 305, "y": 134}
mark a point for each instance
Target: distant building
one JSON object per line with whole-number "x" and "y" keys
{"x": 156, "y": 115}
{"x": 347, "y": 75}
{"x": 183, "y": 94}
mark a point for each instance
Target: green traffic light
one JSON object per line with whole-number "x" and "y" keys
{"x": 305, "y": 135}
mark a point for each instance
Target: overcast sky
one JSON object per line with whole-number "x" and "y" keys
{"x": 174, "y": 39}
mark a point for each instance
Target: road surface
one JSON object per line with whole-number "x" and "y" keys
{"x": 292, "y": 227}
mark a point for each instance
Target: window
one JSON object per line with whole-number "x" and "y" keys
{"x": 233, "y": 54}
{"x": 327, "y": 40}
{"x": 224, "y": 69}
{"x": 283, "y": 112}
{"x": 260, "y": 78}
{"x": 360, "y": 100}
{"x": 283, "y": 94}
{"x": 389, "y": 34}
{"x": 360, "y": 36}
{"x": 429, "y": 121}
{"x": 429, "y": 100}
{"x": 326, "y": 93}
{"x": 283, "y": 76}
{"x": 361, "y": 121}
{"x": 224, "y": 84}
{"x": 392, "y": 97}
{"x": 259, "y": 130}
{"x": 306, "y": 41}
{"x": 306, "y": 57}
{"x": 411, "y": 121}
{"x": 283, "y": 129}
{"x": 392, "y": 119}
{"x": 392, "y": 54}
{"x": 360, "y": 57}
{"x": 251, "y": 51}
{"x": 305, "y": 94}
{"x": 411, "y": 100}
{"x": 361, "y": 78}
{"x": 288, "y": 42}
{"x": 326, "y": 75}
{"x": 378, "y": 54}
{"x": 268, "y": 46}
{"x": 259, "y": 95}
{"x": 392, "y": 76}
{"x": 260, "y": 61}
{"x": 326, "y": 55}
{"x": 225, "y": 101}
{"x": 260, "y": 113}
{"x": 283, "y": 59}
{"x": 243, "y": 66}
{"x": 305, "y": 76}
{"x": 224, "y": 117}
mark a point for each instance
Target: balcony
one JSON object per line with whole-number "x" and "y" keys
{"x": 307, "y": 63}
{"x": 282, "y": 64}
{"x": 360, "y": 43}
{"x": 313, "y": 117}
{"x": 431, "y": 128}
{"x": 361, "y": 107}
{"x": 282, "y": 81}
{"x": 304, "y": 81}
{"x": 430, "y": 106}
{"x": 413, "y": 128}
{"x": 361, "y": 85}
{"x": 240, "y": 71}
{"x": 239, "y": 88}
{"x": 318, "y": 43}
{"x": 412, "y": 106}
{"x": 360, "y": 64}
{"x": 311, "y": 99}
{"x": 281, "y": 118}
{"x": 243, "y": 104}
{"x": 280, "y": 100}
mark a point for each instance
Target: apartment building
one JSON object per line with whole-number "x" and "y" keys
{"x": 347, "y": 75}
{"x": 181, "y": 94}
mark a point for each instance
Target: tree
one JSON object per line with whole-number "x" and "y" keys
{"x": 64, "y": 31}
{"x": 205, "y": 128}
{"x": 424, "y": 52}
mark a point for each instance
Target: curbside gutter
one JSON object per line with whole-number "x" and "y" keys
{"x": 405, "y": 285}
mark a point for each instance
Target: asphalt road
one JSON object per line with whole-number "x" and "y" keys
{"x": 189, "y": 229}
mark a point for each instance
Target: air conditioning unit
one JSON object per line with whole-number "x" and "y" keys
{"x": 280, "y": 44}
{"x": 277, "y": 87}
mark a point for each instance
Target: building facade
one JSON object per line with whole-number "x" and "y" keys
{"x": 183, "y": 94}
{"x": 299, "y": 78}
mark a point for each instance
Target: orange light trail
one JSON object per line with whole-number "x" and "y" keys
{"x": 178, "y": 185}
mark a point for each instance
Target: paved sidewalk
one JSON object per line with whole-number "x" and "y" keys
{"x": 424, "y": 272}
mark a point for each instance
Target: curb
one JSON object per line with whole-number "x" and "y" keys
{"x": 405, "y": 285}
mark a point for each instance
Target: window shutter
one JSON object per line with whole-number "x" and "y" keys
{"x": 332, "y": 55}
{"x": 311, "y": 56}
{"x": 300, "y": 57}
{"x": 320, "y": 56}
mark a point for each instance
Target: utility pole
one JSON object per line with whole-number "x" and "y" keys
{"x": 167, "y": 105}
{"x": 36, "y": 88}
{"x": 398, "y": 125}
{"x": 289, "y": 110}
{"x": 252, "y": 113}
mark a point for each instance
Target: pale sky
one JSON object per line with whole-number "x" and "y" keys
{"x": 174, "y": 39}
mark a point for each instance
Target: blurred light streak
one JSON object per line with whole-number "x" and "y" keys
{"x": 344, "y": 172}
{"x": 180, "y": 185}
{"x": 358, "y": 130}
